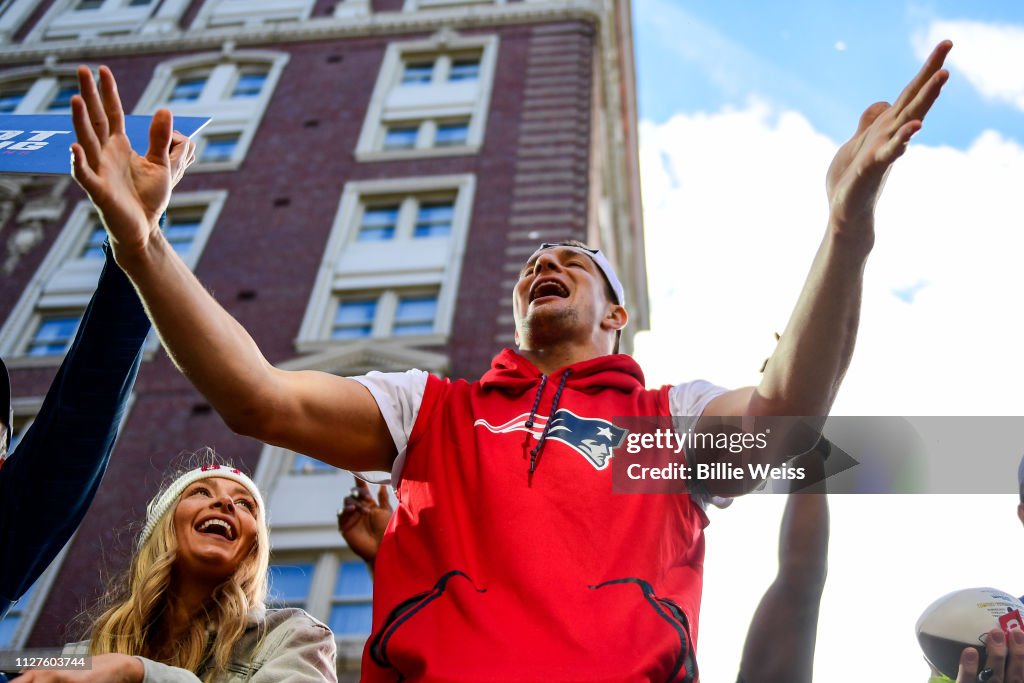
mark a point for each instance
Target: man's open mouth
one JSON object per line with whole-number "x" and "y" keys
{"x": 549, "y": 288}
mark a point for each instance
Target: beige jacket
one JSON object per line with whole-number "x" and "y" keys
{"x": 296, "y": 648}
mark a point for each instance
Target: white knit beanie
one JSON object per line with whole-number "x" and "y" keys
{"x": 159, "y": 507}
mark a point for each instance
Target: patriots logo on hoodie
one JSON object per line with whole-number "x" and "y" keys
{"x": 591, "y": 437}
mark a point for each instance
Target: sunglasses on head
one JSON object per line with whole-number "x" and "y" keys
{"x": 548, "y": 245}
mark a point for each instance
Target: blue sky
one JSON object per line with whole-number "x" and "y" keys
{"x": 742, "y": 107}
{"x": 701, "y": 55}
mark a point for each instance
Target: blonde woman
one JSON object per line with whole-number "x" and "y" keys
{"x": 192, "y": 605}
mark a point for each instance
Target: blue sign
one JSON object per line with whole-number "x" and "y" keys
{"x": 41, "y": 143}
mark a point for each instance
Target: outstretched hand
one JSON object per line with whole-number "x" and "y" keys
{"x": 858, "y": 171}
{"x": 129, "y": 191}
{"x": 362, "y": 521}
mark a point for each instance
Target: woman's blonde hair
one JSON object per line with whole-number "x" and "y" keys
{"x": 135, "y": 606}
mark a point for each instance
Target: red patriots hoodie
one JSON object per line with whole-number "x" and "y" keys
{"x": 491, "y": 572}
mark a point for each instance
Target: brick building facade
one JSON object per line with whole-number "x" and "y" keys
{"x": 375, "y": 174}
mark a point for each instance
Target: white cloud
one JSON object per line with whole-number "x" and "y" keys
{"x": 734, "y": 209}
{"x": 840, "y": 46}
{"x": 988, "y": 55}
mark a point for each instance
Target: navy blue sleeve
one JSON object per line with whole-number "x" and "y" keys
{"x": 49, "y": 481}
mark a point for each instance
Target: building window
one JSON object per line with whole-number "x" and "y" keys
{"x": 290, "y": 583}
{"x": 466, "y": 69}
{"x": 378, "y": 223}
{"x": 329, "y": 584}
{"x": 219, "y": 148}
{"x": 93, "y": 247}
{"x": 352, "y": 601}
{"x": 44, "y": 319}
{"x": 219, "y": 84}
{"x": 434, "y": 219}
{"x": 180, "y": 228}
{"x": 415, "y": 314}
{"x": 250, "y": 83}
{"x": 425, "y": 134}
{"x": 53, "y": 334}
{"x": 395, "y": 259}
{"x": 429, "y": 99}
{"x": 452, "y": 134}
{"x": 384, "y": 314}
{"x": 354, "y": 318}
{"x": 418, "y": 73}
{"x": 61, "y": 101}
{"x": 233, "y": 92}
{"x": 46, "y": 93}
{"x": 415, "y": 217}
{"x": 97, "y": 19}
{"x": 400, "y": 137}
{"x": 188, "y": 87}
{"x": 239, "y": 13}
{"x": 446, "y": 68}
{"x": 414, "y": 5}
{"x": 11, "y": 97}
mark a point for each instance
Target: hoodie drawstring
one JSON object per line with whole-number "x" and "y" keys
{"x": 536, "y": 401}
{"x": 535, "y": 453}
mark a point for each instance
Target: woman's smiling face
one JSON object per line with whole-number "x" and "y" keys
{"x": 216, "y": 523}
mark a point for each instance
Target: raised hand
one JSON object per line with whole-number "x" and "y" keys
{"x": 129, "y": 191}
{"x": 362, "y": 521}
{"x": 858, "y": 171}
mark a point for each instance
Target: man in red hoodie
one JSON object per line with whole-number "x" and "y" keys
{"x": 482, "y": 576}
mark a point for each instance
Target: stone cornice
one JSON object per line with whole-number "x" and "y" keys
{"x": 320, "y": 28}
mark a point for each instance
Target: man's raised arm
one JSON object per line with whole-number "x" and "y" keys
{"x": 804, "y": 374}
{"x": 324, "y": 416}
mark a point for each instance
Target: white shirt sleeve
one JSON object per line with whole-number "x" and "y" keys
{"x": 688, "y": 400}
{"x": 399, "y": 396}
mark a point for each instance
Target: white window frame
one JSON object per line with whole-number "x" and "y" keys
{"x": 43, "y": 89}
{"x": 351, "y": 266}
{"x": 247, "y": 14}
{"x": 65, "y": 282}
{"x": 230, "y": 116}
{"x": 62, "y": 22}
{"x": 429, "y": 104}
{"x": 419, "y": 5}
